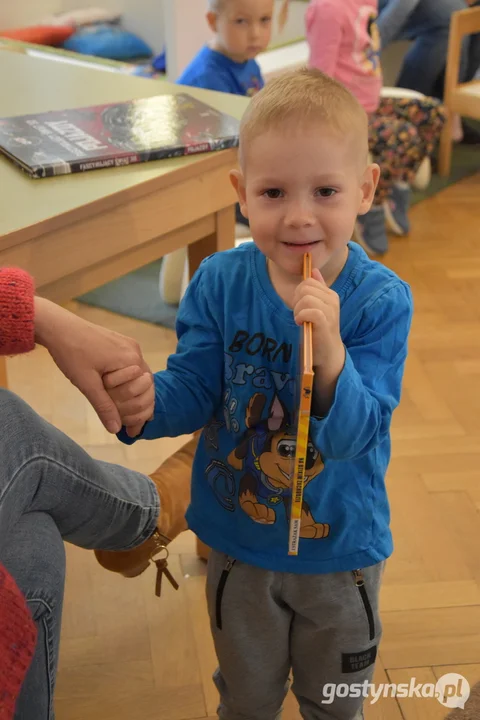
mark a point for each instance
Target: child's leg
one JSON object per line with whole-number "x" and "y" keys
{"x": 427, "y": 114}
{"x": 396, "y": 145}
{"x": 251, "y": 626}
{"x": 334, "y": 640}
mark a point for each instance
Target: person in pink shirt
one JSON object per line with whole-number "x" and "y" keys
{"x": 344, "y": 43}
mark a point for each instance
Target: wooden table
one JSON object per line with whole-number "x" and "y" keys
{"x": 74, "y": 233}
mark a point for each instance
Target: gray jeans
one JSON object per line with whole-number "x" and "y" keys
{"x": 51, "y": 491}
{"x": 324, "y": 629}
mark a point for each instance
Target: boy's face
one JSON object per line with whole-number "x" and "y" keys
{"x": 243, "y": 28}
{"x": 302, "y": 191}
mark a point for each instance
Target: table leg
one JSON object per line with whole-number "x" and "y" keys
{"x": 3, "y": 372}
{"x": 222, "y": 239}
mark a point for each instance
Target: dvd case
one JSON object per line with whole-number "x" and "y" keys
{"x": 101, "y": 136}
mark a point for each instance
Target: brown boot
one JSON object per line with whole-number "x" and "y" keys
{"x": 173, "y": 482}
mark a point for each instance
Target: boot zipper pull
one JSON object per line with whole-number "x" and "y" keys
{"x": 158, "y": 581}
{"x": 162, "y": 570}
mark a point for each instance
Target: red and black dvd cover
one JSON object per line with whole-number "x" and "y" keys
{"x": 114, "y": 135}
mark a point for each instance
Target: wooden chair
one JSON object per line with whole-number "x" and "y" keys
{"x": 461, "y": 98}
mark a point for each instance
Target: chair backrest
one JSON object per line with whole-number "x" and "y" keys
{"x": 467, "y": 21}
{"x": 464, "y": 22}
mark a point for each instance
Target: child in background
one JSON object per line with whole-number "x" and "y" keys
{"x": 242, "y": 29}
{"x": 344, "y": 43}
{"x": 304, "y": 178}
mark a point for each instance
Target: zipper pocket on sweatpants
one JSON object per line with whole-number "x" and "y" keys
{"x": 221, "y": 589}
{"x": 360, "y": 583}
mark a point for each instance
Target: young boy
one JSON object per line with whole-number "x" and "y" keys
{"x": 242, "y": 30}
{"x": 304, "y": 178}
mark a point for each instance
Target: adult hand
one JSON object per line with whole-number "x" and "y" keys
{"x": 85, "y": 352}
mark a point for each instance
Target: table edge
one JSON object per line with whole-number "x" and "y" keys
{"x": 211, "y": 161}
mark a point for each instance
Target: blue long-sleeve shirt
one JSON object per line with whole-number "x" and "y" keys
{"x": 212, "y": 70}
{"x": 234, "y": 373}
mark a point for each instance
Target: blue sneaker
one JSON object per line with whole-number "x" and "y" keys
{"x": 370, "y": 231}
{"x": 396, "y": 210}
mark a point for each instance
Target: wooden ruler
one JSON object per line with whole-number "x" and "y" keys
{"x": 303, "y": 424}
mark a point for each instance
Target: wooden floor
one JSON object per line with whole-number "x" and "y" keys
{"x": 126, "y": 655}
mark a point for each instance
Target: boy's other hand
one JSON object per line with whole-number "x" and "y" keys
{"x": 315, "y": 302}
{"x": 133, "y": 392}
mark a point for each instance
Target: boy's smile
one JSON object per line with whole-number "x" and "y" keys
{"x": 301, "y": 247}
{"x": 302, "y": 189}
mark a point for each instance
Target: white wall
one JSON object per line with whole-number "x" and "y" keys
{"x": 186, "y": 31}
{"x": 181, "y": 22}
{"x": 26, "y": 12}
{"x": 144, "y": 17}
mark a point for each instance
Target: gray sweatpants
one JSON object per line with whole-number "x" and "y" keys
{"x": 322, "y": 629}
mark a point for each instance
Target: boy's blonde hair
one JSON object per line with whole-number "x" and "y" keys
{"x": 299, "y": 97}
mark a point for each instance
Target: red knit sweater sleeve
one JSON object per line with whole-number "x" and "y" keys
{"x": 17, "y": 630}
{"x": 17, "y": 332}
{"x": 18, "y": 635}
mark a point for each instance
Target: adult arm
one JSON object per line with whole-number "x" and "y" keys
{"x": 393, "y": 17}
{"x": 84, "y": 352}
{"x": 17, "y": 330}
